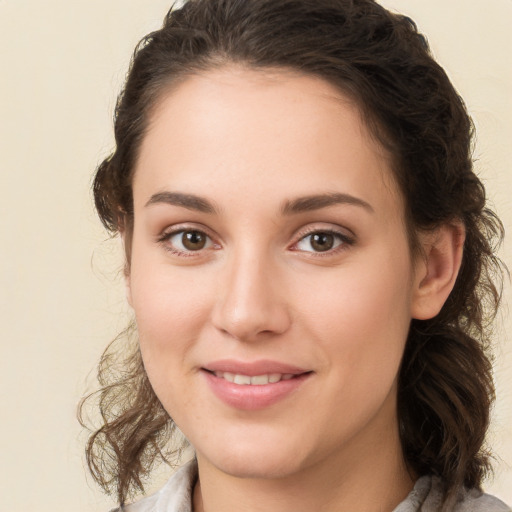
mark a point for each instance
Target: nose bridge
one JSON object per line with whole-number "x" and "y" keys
{"x": 250, "y": 302}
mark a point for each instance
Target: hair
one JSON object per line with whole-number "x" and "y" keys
{"x": 382, "y": 63}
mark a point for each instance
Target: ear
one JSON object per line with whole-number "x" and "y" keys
{"x": 437, "y": 269}
{"x": 126, "y": 241}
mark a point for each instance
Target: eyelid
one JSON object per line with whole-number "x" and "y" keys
{"x": 346, "y": 236}
{"x": 166, "y": 234}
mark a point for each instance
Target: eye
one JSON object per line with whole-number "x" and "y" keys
{"x": 322, "y": 241}
{"x": 187, "y": 240}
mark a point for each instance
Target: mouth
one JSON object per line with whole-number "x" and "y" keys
{"x": 254, "y": 385}
{"x": 254, "y": 380}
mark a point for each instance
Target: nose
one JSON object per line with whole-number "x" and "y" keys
{"x": 252, "y": 303}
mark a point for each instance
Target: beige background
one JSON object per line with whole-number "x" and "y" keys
{"x": 61, "y": 299}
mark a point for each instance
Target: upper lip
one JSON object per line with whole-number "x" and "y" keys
{"x": 253, "y": 368}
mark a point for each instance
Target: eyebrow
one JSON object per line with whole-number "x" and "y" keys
{"x": 319, "y": 201}
{"x": 290, "y": 207}
{"x": 188, "y": 201}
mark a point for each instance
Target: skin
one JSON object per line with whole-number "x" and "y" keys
{"x": 249, "y": 142}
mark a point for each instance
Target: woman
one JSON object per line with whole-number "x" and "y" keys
{"x": 310, "y": 262}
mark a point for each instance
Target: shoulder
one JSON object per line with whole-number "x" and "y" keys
{"x": 174, "y": 496}
{"x": 427, "y": 496}
{"x": 475, "y": 501}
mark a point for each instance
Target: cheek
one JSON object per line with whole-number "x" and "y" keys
{"x": 169, "y": 312}
{"x": 362, "y": 320}
{"x": 170, "y": 306}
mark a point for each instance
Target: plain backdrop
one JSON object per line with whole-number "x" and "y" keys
{"x": 61, "y": 295}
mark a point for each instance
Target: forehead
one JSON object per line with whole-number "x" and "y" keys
{"x": 251, "y": 132}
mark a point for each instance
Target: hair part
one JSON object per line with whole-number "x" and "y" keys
{"x": 380, "y": 61}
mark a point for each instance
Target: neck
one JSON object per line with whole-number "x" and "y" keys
{"x": 370, "y": 476}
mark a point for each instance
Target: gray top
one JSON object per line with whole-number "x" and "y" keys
{"x": 176, "y": 496}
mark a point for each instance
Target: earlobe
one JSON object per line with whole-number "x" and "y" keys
{"x": 126, "y": 244}
{"x": 437, "y": 271}
{"x": 127, "y": 284}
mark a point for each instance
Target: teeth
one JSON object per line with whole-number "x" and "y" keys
{"x": 256, "y": 380}
{"x": 242, "y": 379}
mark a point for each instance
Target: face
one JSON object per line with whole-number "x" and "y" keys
{"x": 270, "y": 272}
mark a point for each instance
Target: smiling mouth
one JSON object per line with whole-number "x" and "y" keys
{"x": 257, "y": 390}
{"x": 255, "y": 380}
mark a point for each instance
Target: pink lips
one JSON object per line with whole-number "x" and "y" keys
{"x": 253, "y": 396}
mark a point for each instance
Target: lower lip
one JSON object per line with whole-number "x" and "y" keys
{"x": 253, "y": 397}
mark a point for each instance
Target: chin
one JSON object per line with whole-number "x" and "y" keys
{"x": 262, "y": 459}
{"x": 258, "y": 469}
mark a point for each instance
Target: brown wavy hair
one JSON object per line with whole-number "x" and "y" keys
{"x": 384, "y": 65}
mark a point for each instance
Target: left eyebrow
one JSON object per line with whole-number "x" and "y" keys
{"x": 319, "y": 201}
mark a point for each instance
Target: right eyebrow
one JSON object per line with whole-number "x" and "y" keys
{"x": 188, "y": 201}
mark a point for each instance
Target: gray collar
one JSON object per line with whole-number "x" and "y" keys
{"x": 426, "y": 496}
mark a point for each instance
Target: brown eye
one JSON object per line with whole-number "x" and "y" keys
{"x": 322, "y": 241}
{"x": 193, "y": 240}
{"x": 186, "y": 241}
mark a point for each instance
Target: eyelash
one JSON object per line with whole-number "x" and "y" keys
{"x": 165, "y": 238}
{"x": 344, "y": 240}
